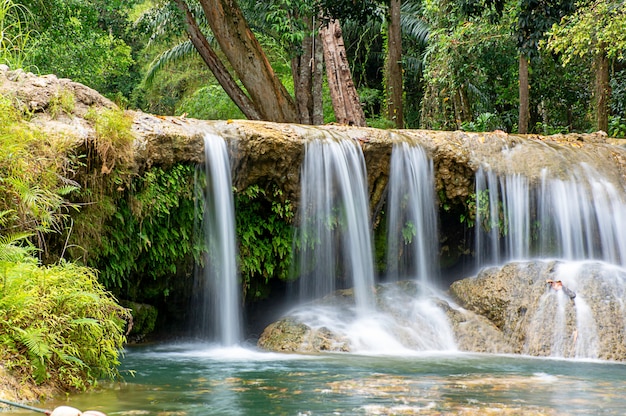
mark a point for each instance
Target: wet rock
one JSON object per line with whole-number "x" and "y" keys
{"x": 537, "y": 320}
{"x": 287, "y": 335}
{"x": 475, "y": 333}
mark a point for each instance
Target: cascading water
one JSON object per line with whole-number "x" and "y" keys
{"x": 218, "y": 311}
{"x": 335, "y": 238}
{"x": 412, "y": 237}
{"x": 574, "y": 219}
{"x": 336, "y": 251}
{"x": 577, "y": 218}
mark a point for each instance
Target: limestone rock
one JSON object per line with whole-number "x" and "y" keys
{"x": 538, "y": 321}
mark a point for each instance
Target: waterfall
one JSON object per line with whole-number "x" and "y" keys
{"x": 334, "y": 231}
{"x": 218, "y": 313}
{"x": 573, "y": 219}
{"x": 412, "y": 237}
{"x": 589, "y": 326}
{"x": 577, "y": 217}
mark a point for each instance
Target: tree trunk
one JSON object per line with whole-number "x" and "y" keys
{"x": 524, "y": 99}
{"x": 318, "y": 81}
{"x": 244, "y": 53}
{"x": 218, "y": 69}
{"x": 394, "y": 65}
{"x": 343, "y": 93}
{"x": 302, "y": 72}
{"x": 602, "y": 90}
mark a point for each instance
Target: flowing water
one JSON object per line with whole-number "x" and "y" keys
{"x": 195, "y": 379}
{"x": 574, "y": 219}
{"x": 334, "y": 231}
{"x": 411, "y": 215}
{"x": 217, "y": 307}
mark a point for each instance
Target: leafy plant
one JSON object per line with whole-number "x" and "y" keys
{"x": 113, "y": 137}
{"x": 60, "y": 323}
{"x": 617, "y": 126}
{"x": 33, "y": 177}
{"x": 149, "y": 234}
{"x": 15, "y": 35}
{"x": 484, "y": 122}
{"x": 265, "y": 235}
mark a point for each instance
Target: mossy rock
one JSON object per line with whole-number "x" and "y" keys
{"x": 144, "y": 318}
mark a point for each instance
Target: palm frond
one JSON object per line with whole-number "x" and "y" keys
{"x": 180, "y": 52}
{"x": 413, "y": 24}
{"x": 413, "y": 64}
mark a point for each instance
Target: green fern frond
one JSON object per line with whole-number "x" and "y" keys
{"x": 66, "y": 190}
{"x": 35, "y": 341}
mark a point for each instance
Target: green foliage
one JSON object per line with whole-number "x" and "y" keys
{"x": 617, "y": 126}
{"x": 144, "y": 317}
{"x": 33, "y": 178}
{"x": 114, "y": 139}
{"x": 82, "y": 41}
{"x": 59, "y": 324}
{"x": 265, "y": 236}
{"x": 408, "y": 232}
{"x": 209, "y": 103}
{"x": 484, "y": 122}
{"x": 596, "y": 27}
{"x": 15, "y": 35}
{"x": 149, "y": 234}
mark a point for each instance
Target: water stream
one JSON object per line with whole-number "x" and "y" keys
{"x": 217, "y": 306}
{"x": 411, "y": 215}
{"x": 193, "y": 379}
{"x": 334, "y": 230}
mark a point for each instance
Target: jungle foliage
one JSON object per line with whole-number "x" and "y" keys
{"x": 459, "y": 58}
{"x": 264, "y": 230}
{"x": 58, "y": 325}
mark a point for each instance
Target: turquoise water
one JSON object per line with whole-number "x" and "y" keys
{"x": 195, "y": 379}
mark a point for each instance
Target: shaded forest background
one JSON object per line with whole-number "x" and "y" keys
{"x": 464, "y": 64}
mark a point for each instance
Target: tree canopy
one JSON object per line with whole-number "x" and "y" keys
{"x": 459, "y": 60}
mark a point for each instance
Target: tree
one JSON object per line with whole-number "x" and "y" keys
{"x": 245, "y": 55}
{"x": 343, "y": 93}
{"x": 83, "y": 41}
{"x": 247, "y": 106}
{"x": 394, "y": 65}
{"x": 597, "y": 29}
{"x": 263, "y": 95}
{"x": 535, "y": 18}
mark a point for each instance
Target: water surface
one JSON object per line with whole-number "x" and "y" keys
{"x": 195, "y": 379}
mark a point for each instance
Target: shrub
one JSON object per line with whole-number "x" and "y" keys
{"x": 59, "y": 323}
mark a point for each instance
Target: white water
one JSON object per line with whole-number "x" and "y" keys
{"x": 334, "y": 230}
{"x": 412, "y": 236}
{"x": 336, "y": 250}
{"x": 575, "y": 219}
{"x": 219, "y": 310}
{"x": 579, "y": 327}
{"x": 403, "y": 323}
